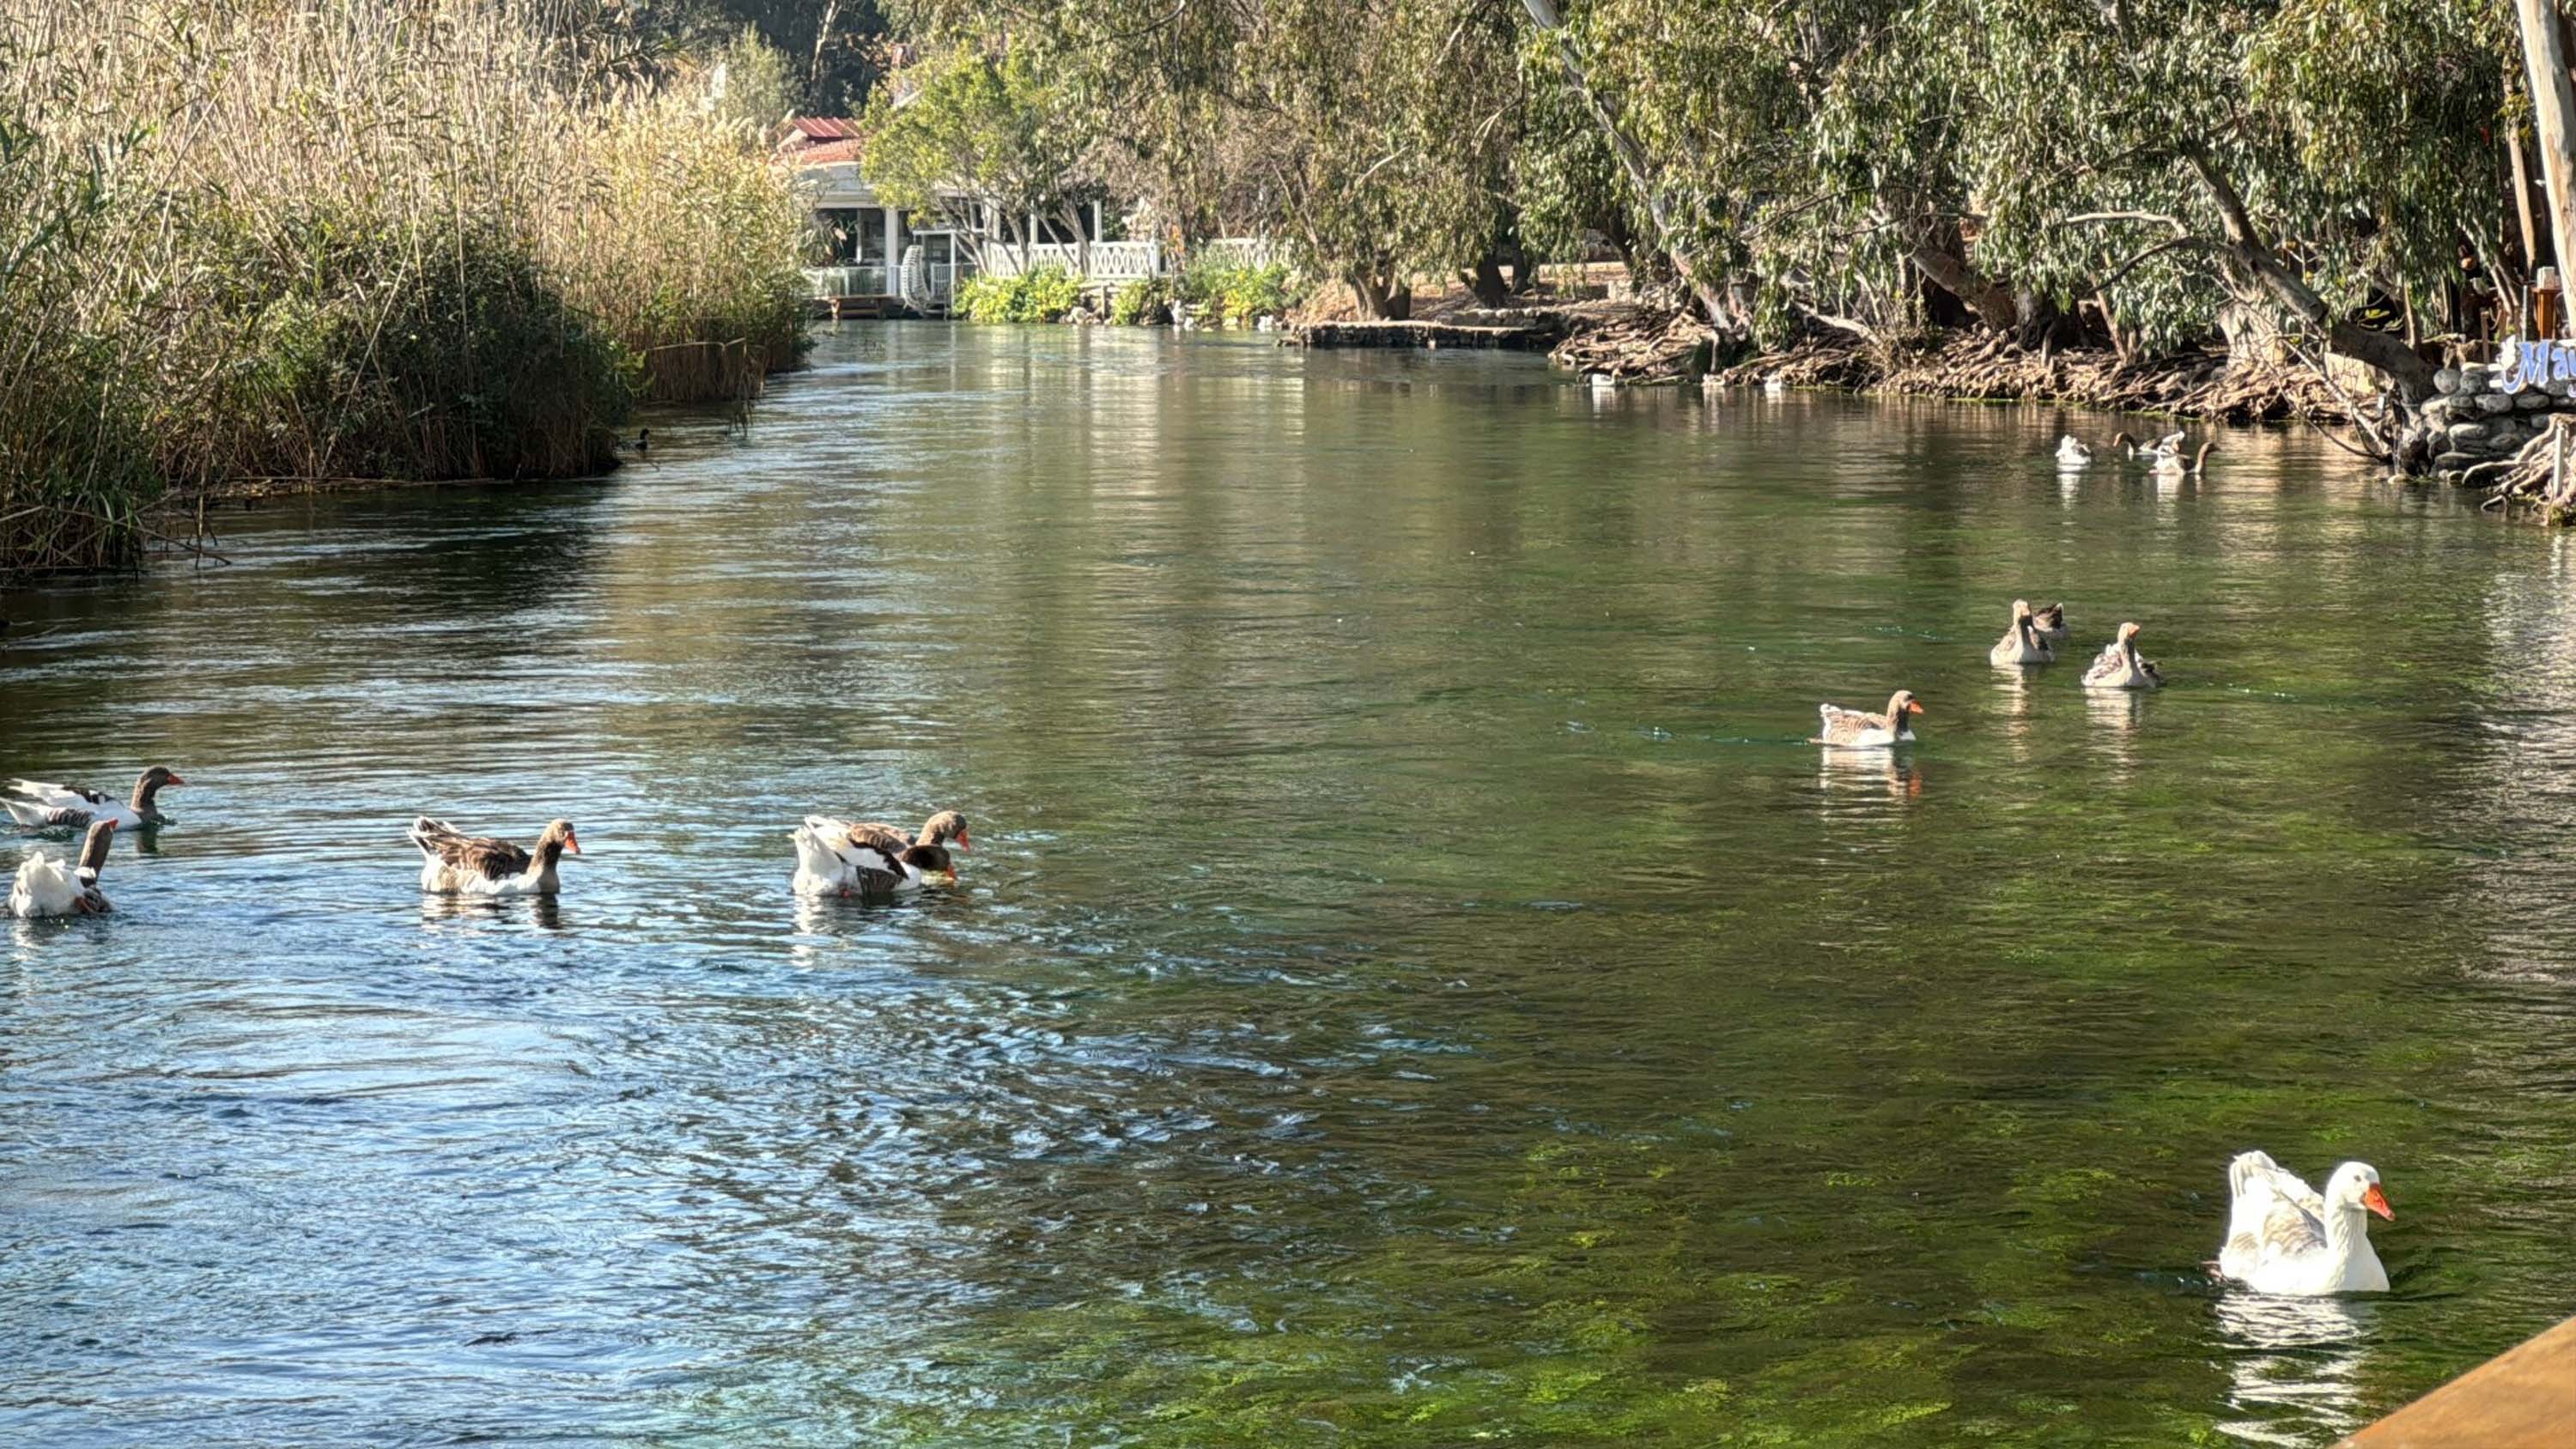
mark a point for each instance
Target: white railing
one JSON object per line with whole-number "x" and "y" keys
{"x": 848, "y": 281}
{"x": 1121, "y": 261}
{"x": 1107, "y": 261}
{"x": 1238, "y": 251}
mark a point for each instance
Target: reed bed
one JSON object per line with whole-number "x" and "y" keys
{"x": 421, "y": 239}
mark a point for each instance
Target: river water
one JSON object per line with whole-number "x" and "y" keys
{"x": 1412, "y": 983}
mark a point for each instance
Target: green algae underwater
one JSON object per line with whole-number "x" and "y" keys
{"x": 1413, "y": 984}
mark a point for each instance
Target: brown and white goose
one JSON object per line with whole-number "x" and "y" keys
{"x": 2051, "y": 623}
{"x": 46, "y": 886}
{"x": 1859, "y": 730}
{"x": 454, "y": 863}
{"x": 877, "y": 859}
{"x": 41, "y": 803}
{"x": 2119, "y": 666}
{"x": 2022, "y": 643}
{"x": 2171, "y": 465}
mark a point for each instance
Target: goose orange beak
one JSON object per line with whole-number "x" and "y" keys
{"x": 176, "y": 780}
{"x": 2377, "y": 1201}
{"x": 961, "y": 841}
{"x": 1913, "y": 706}
{"x": 572, "y": 842}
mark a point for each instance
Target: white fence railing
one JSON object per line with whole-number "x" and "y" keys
{"x": 1121, "y": 261}
{"x": 1106, "y": 261}
{"x": 1239, "y": 251}
{"x": 847, "y": 281}
{"x": 919, "y": 282}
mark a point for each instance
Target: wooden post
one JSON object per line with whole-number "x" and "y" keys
{"x": 2553, "y": 113}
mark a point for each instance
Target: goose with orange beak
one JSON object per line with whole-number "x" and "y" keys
{"x": 43, "y": 804}
{"x": 2285, "y": 1237}
{"x": 1854, "y": 729}
{"x": 456, "y": 864}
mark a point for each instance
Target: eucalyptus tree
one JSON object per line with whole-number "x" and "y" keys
{"x": 983, "y": 132}
{"x": 1376, "y": 135}
{"x": 2309, "y": 161}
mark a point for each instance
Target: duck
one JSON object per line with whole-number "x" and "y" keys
{"x": 1860, "y": 730}
{"x": 2119, "y": 667}
{"x": 2072, "y": 454}
{"x": 2022, "y": 643}
{"x": 881, "y": 850}
{"x": 454, "y": 863}
{"x": 2169, "y": 444}
{"x": 2171, "y": 465}
{"x": 2284, "y": 1237}
{"x": 47, "y": 886}
{"x": 1602, "y": 383}
{"x": 1775, "y": 385}
{"x": 2050, "y": 622}
{"x": 41, "y": 803}
{"x": 831, "y": 862}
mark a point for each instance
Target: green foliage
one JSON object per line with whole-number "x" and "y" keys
{"x": 999, "y": 132}
{"x": 1234, "y": 294}
{"x": 218, "y": 259}
{"x": 480, "y": 367}
{"x": 2137, "y": 161}
{"x": 1142, "y": 302}
{"x": 1043, "y": 295}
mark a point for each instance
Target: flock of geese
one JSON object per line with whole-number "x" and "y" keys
{"x": 2283, "y": 1237}
{"x": 833, "y": 857}
{"x": 2031, "y": 639}
{"x": 2164, "y": 456}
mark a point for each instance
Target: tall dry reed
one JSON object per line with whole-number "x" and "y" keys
{"x": 351, "y": 238}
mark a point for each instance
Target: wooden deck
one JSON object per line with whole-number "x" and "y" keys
{"x": 1533, "y": 336}
{"x": 2524, "y": 1398}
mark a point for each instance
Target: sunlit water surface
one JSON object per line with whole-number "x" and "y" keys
{"x": 1413, "y": 982}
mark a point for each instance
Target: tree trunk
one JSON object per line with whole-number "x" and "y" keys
{"x": 1379, "y": 297}
{"x": 1487, "y": 282}
{"x": 2553, "y": 114}
{"x": 1937, "y": 251}
{"x": 1632, "y": 159}
{"x": 2264, "y": 274}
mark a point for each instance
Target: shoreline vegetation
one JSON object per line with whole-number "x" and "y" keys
{"x": 254, "y": 244}
{"x": 2266, "y": 209}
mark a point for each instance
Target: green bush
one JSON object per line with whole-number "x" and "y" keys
{"x": 1234, "y": 295}
{"x": 1143, "y": 302}
{"x": 1044, "y": 295}
{"x": 354, "y": 359}
{"x": 219, "y": 260}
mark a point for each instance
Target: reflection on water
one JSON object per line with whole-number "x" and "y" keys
{"x": 2297, "y": 1366}
{"x": 1412, "y": 979}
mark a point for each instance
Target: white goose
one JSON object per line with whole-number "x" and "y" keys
{"x": 49, "y": 886}
{"x": 2072, "y": 454}
{"x": 41, "y": 803}
{"x": 2285, "y": 1237}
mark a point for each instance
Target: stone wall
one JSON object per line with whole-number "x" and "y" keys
{"x": 2482, "y": 414}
